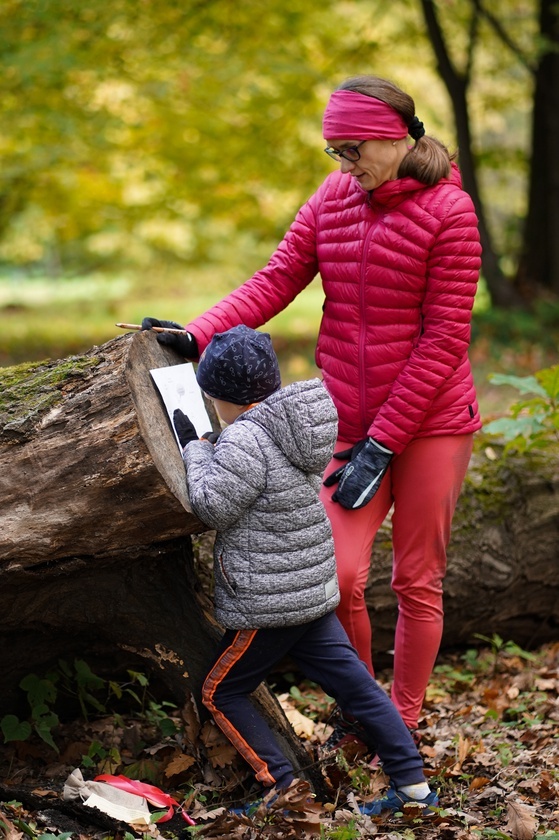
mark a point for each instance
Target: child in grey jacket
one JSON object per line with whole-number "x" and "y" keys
{"x": 275, "y": 574}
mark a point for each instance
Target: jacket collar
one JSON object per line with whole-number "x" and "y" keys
{"x": 392, "y": 193}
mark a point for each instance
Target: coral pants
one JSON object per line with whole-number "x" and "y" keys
{"x": 423, "y": 484}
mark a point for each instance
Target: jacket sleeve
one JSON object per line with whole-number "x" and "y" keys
{"x": 452, "y": 275}
{"x": 225, "y": 480}
{"x": 290, "y": 269}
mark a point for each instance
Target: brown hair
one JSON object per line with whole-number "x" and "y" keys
{"x": 428, "y": 160}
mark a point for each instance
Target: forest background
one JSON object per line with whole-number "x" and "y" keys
{"x": 153, "y": 154}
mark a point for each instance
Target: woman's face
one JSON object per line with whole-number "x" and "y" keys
{"x": 379, "y": 160}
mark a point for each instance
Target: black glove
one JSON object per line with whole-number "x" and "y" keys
{"x": 360, "y": 478}
{"x": 186, "y": 432}
{"x": 345, "y": 455}
{"x": 185, "y": 344}
{"x": 211, "y": 436}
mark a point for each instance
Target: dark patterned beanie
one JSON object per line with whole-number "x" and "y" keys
{"x": 239, "y": 366}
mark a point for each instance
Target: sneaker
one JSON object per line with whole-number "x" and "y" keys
{"x": 249, "y": 809}
{"x": 395, "y": 801}
{"x": 263, "y": 802}
{"x": 347, "y": 730}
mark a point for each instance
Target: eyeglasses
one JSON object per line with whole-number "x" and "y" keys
{"x": 352, "y": 153}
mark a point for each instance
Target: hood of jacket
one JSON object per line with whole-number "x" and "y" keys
{"x": 301, "y": 420}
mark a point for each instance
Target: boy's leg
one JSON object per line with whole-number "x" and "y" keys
{"x": 244, "y": 659}
{"x": 326, "y": 656}
{"x": 426, "y": 482}
{"x": 354, "y": 532}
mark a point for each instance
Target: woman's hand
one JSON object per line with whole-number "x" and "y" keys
{"x": 185, "y": 344}
{"x": 360, "y": 478}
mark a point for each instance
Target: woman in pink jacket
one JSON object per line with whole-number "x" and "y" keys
{"x": 395, "y": 240}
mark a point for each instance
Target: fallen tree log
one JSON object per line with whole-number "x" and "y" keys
{"x": 96, "y": 557}
{"x": 90, "y": 465}
{"x": 95, "y": 554}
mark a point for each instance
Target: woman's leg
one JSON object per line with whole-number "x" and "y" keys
{"x": 354, "y": 532}
{"x": 426, "y": 482}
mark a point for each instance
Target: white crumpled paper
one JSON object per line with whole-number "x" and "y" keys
{"x": 119, "y": 804}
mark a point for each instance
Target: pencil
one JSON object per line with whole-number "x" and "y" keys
{"x": 155, "y": 329}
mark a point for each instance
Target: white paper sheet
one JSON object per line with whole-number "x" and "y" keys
{"x": 179, "y": 389}
{"x": 122, "y": 812}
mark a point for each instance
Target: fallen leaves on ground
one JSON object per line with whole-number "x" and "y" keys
{"x": 489, "y": 740}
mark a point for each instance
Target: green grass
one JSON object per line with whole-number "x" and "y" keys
{"x": 44, "y": 318}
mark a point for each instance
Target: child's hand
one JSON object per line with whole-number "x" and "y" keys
{"x": 211, "y": 436}
{"x": 186, "y": 432}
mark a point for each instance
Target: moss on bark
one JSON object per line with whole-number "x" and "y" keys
{"x": 29, "y": 390}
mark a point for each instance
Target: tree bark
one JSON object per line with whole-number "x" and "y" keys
{"x": 88, "y": 462}
{"x": 96, "y": 557}
{"x": 501, "y": 291}
{"x": 538, "y": 267}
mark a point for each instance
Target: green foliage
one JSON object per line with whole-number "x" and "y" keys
{"x": 40, "y": 322}
{"x": 43, "y": 720}
{"x": 506, "y": 328}
{"x": 479, "y": 662}
{"x": 140, "y": 131}
{"x": 64, "y": 835}
{"x": 499, "y": 647}
{"x": 15, "y": 730}
{"x": 344, "y": 832}
{"x": 92, "y": 694}
{"x": 132, "y": 130}
{"x": 534, "y": 422}
{"x": 455, "y": 679}
{"x": 310, "y": 700}
{"x": 100, "y": 758}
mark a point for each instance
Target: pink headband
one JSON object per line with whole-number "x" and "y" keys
{"x": 354, "y": 116}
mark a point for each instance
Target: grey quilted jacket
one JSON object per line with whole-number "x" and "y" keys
{"x": 258, "y": 488}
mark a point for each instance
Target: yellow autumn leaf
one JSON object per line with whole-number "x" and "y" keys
{"x": 303, "y": 726}
{"x": 220, "y": 751}
{"x": 179, "y": 764}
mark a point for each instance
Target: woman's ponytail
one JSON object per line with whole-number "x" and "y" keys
{"x": 428, "y": 160}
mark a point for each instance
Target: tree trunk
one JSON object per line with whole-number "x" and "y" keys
{"x": 539, "y": 261}
{"x": 95, "y": 551}
{"x": 501, "y": 291}
{"x": 89, "y": 463}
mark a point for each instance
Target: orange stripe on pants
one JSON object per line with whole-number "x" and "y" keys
{"x": 235, "y": 651}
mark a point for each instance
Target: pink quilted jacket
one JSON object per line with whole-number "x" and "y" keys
{"x": 399, "y": 269}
